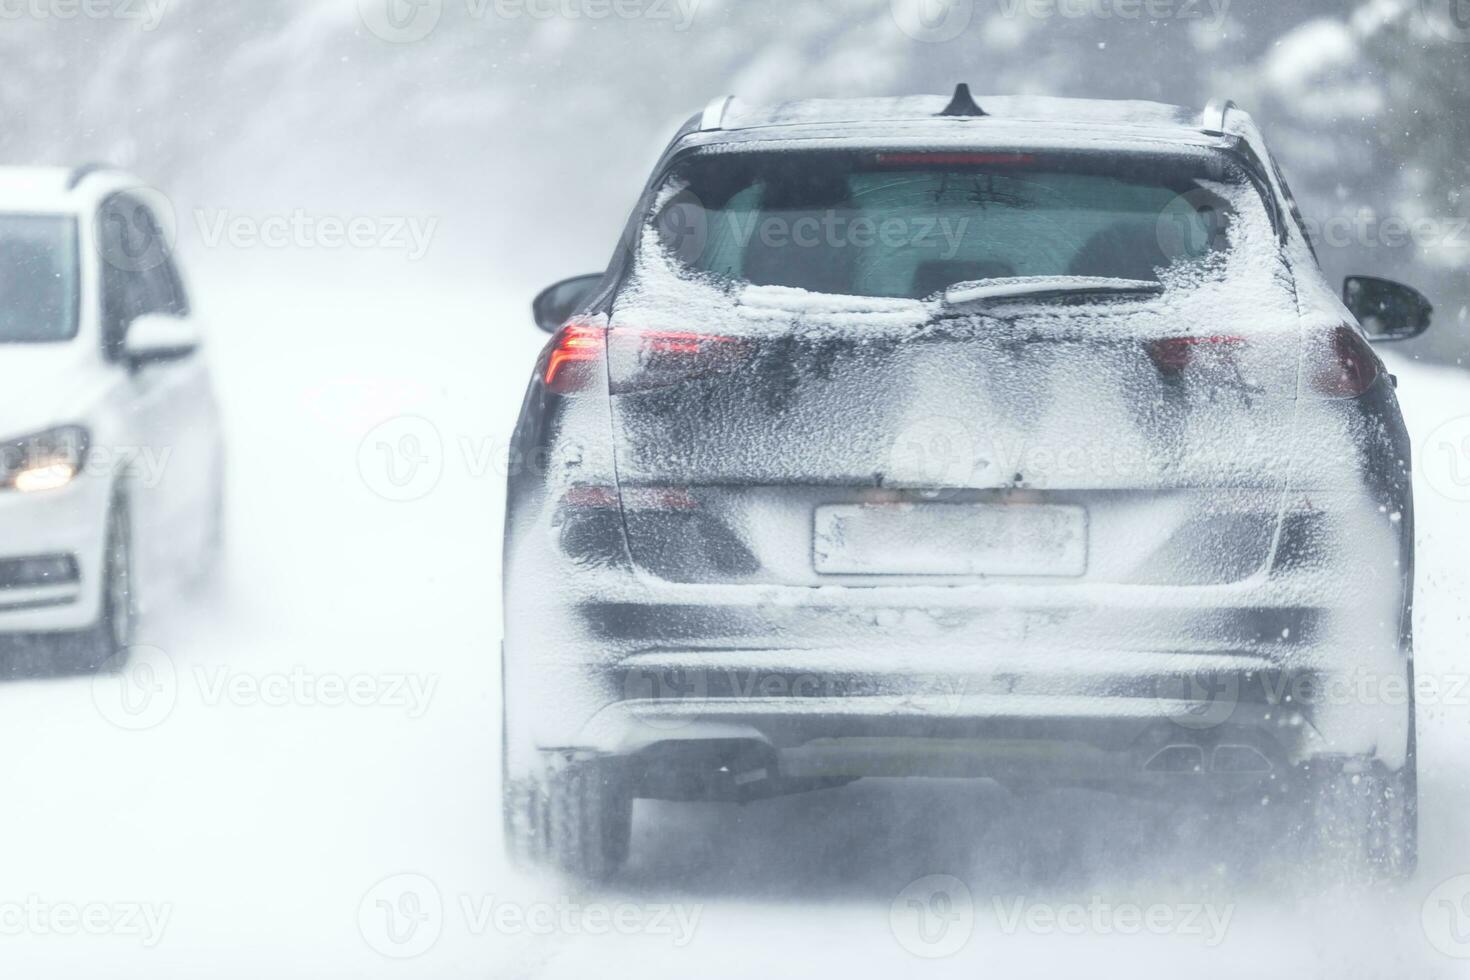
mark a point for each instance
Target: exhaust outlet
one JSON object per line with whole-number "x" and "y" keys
{"x": 1239, "y": 758}
{"x": 1176, "y": 758}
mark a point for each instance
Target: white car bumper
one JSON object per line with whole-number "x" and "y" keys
{"x": 64, "y": 532}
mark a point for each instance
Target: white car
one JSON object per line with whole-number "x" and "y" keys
{"x": 111, "y": 460}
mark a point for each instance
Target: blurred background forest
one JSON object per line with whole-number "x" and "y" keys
{"x": 525, "y": 127}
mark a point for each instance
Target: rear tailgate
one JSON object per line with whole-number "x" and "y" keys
{"x": 1120, "y": 443}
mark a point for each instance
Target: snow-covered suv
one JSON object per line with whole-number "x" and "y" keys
{"x": 1018, "y": 438}
{"x": 111, "y": 460}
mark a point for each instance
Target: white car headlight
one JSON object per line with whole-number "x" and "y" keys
{"x": 45, "y": 461}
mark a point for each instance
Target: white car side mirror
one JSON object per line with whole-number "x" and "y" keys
{"x": 155, "y": 337}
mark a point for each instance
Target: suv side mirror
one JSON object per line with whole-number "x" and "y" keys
{"x": 556, "y": 304}
{"x": 155, "y": 337}
{"x": 1387, "y": 310}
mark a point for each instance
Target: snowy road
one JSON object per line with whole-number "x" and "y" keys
{"x": 326, "y": 722}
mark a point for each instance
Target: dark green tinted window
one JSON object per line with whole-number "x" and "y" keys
{"x": 914, "y": 224}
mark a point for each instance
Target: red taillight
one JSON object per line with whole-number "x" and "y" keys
{"x": 576, "y": 354}
{"x": 658, "y": 498}
{"x": 675, "y": 341}
{"x": 1343, "y": 365}
{"x": 644, "y": 359}
{"x": 590, "y": 498}
{"x": 632, "y": 498}
{"x": 1172, "y": 355}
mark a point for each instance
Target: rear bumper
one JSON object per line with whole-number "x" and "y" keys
{"x": 1065, "y": 715}
{"x": 903, "y": 702}
{"x": 1079, "y": 684}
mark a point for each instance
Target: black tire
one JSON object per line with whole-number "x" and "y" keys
{"x": 1363, "y": 823}
{"x": 107, "y": 643}
{"x": 576, "y": 818}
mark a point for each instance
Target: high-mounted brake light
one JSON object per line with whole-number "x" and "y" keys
{"x": 576, "y": 352}
{"x": 1172, "y": 355}
{"x": 954, "y": 159}
{"x": 1344, "y": 366}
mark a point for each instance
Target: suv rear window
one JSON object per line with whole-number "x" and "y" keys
{"x": 912, "y": 224}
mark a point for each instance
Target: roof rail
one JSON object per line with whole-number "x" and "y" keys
{"x": 1212, "y": 121}
{"x": 84, "y": 171}
{"x": 714, "y": 114}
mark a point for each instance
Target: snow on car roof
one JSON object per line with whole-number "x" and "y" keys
{"x": 818, "y": 112}
{"x": 49, "y": 189}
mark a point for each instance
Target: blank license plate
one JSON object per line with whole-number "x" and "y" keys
{"x": 950, "y": 539}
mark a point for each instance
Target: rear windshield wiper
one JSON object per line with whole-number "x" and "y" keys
{"x": 1046, "y": 288}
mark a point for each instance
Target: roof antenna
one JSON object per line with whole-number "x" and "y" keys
{"x": 963, "y": 103}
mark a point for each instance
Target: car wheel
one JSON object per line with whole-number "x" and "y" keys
{"x": 576, "y": 818}
{"x": 1364, "y": 823}
{"x": 107, "y": 643}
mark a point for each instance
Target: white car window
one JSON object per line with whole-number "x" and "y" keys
{"x": 38, "y": 279}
